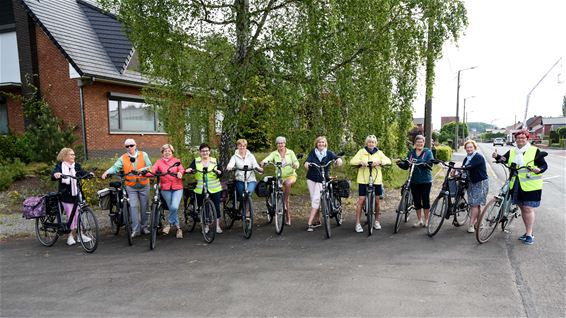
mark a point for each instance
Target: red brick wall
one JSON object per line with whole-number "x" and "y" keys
{"x": 100, "y": 141}
{"x": 62, "y": 93}
{"x": 15, "y": 111}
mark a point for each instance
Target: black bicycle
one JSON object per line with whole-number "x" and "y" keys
{"x": 48, "y": 228}
{"x": 190, "y": 206}
{"x": 244, "y": 210}
{"x": 207, "y": 212}
{"x": 369, "y": 204}
{"x": 158, "y": 205}
{"x": 450, "y": 201}
{"x": 500, "y": 208}
{"x": 406, "y": 205}
{"x": 327, "y": 198}
{"x": 276, "y": 209}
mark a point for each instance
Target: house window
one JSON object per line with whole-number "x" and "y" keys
{"x": 3, "y": 116}
{"x": 126, "y": 115}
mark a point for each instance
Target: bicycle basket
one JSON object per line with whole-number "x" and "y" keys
{"x": 35, "y": 207}
{"x": 105, "y": 197}
{"x": 341, "y": 188}
{"x": 263, "y": 189}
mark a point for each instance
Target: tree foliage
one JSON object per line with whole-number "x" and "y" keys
{"x": 448, "y": 131}
{"x": 298, "y": 68}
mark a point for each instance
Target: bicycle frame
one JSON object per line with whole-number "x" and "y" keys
{"x": 326, "y": 195}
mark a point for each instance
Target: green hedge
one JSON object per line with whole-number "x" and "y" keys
{"x": 444, "y": 153}
{"x": 10, "y": 173}
{"x": 562, "y": 143}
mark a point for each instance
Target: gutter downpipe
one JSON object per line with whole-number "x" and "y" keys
{"x": 81, "y": 83}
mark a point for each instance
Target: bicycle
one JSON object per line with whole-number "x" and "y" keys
{"x": 500, "y": 208}
{"x": 406, "y": 205}
{"x": 122, "y": 216}
{"x": 369, "y": 203}
{"x": 158, "y": 205}
{"x": 190, "y": 206}
{"x": 276, "y": 210}
{"x": 245, "y": 210}
{"x": 450, "y": 201}
{"x": 207, "y": 212}
{"x": 48, "y": 228}
{"x": 327, "y": 199}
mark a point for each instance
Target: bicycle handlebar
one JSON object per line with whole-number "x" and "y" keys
{"x": 449, "y": 164}
{"x": 89, "y": 175}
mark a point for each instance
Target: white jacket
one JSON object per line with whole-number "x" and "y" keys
{"x": 239, "y": 162}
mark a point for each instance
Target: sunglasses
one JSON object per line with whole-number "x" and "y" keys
{"x": 129, "y": 146}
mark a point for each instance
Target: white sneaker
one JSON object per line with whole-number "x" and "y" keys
{"x": 377, "y": 226}
{"x": 134, "y": 234}
{"x": 359, "y": 228}
{"x": 471, "y": 229}
{"x": 418, "y": 223}
{"x": 218, "y": 230}
{"x": 206, "y": 229}
{"x": 85, "y": 238}
{"x": 71, "y": 240}
{"x": 146, "y": 231}
{"x": 166, "y": 229}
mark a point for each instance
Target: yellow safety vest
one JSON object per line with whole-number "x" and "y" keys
{"x": 528, "y": 181}
{"x": 214, "y": 185}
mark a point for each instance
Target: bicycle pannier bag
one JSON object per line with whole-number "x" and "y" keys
{"x": 105, "y": 198}
{"x": 341, "y": 188}
{"x": 262, "y": 189}
{"x": 453, "y": 187}
{"x": 34, "y": 207}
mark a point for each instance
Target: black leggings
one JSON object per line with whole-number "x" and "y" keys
{"x": 421, "y": 195}
{"x": 215, "y": 197}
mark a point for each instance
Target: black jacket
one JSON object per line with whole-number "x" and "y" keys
{"x": 476, "y": 168}
{"x": 65, "y": 189}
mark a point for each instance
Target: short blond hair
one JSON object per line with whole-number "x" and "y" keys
{"x": 371, "y": 137}
{"x": 319, "y": 138}
{"x": 470, "y": 141}
{"x": 63, "y": 153}
{"x": 242, "y": 142}
{"x": 167, "y": 146}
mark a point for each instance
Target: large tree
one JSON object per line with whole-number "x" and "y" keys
{"x": 341, "y": 68}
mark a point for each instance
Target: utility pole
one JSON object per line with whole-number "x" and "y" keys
{"x": 456, "y": 144}
{"x": 529, "y": 94}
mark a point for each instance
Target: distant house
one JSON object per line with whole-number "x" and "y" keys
{"x": 552, "y": 124}
{"x": 86, "y": 70}
{"x": 447, "y": 119}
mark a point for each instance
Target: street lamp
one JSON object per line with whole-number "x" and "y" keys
{"x": 458, "y": 105}
{"x": 464, "y": 114}
{"x": 529, "y": 94}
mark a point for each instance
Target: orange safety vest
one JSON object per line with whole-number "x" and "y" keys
{"x": 131, "y": 181}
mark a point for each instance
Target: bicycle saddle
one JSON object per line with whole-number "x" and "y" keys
{"x": 268, "y": 179}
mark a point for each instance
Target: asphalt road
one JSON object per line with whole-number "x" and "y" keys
{"x": 299, "y": 273}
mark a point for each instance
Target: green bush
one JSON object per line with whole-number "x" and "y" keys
{"x": 444, "y": 153}
{"x": 562, "y": 143}
{"x": 11, "y": 172}
{"x": 562, "y": 133}
{"x": 13, "y": 146}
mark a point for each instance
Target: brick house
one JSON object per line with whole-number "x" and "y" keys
{"x": 553, "y": 123}
{"x": 86, "y": 70}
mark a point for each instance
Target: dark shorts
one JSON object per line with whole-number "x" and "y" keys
{"x": 363, "y": 189}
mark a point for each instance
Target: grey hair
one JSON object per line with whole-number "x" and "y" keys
{"x": 371, "y": 137}
{"x": 280, "y": 139}
{"x": 419, "y": 137}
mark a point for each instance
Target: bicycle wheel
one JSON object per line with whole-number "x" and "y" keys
{"x": 462, "y": 212}
{"x": 401, "y": 210}
{"x": 488, "y": 219}
{"x": 325, "y": 211}
{"x": 127, "y": 220}
{"x": 270, "y": 210}
{"x": 46, "y": 230}
{"x": 114, "y": 214}
{"x": 370, "y": 205}
{"x": 337, "y": 206}
{"x": 410, "y": 206}
{"x": 247, "y": 217}
{"x": 229, "y": 213}
{"x": 514, "y": 214}
{"x": 87, "y": 229}
{"x": 208, "y": 219}
{"x": 191, "y": 216}
{"x": 438, "y": 210}
{"x": 279, "y": 213}
{"x": 156, "y": 211}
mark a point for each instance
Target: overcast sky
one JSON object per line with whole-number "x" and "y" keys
{"x": 513, "y": 43}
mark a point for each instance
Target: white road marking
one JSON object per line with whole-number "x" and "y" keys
{"x": 548, "y": 178}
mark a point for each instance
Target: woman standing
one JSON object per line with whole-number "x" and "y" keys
{"x": 171, "y": 186}
{"x": 243, "y": 157}
{"x": 290, "y": 163}
{"x": 421, "y": 181}
{"x": 526, "y": 188}
{"x": 68, "y": 187}
{"x": 478, "y": 188}
{"x": 214, "y": 186}
{"x": 321, "y": 156}
{"x": 369, "y": 153}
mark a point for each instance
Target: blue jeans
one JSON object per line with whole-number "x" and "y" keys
{"x": 138, "y": 197}
{"x": 240, "y": 187}
{"x": 173, "y": 199}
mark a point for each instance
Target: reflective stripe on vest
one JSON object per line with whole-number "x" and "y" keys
{"x": 131, "y": 181}
{"x": 213, "y": 181}
{"x": 528, "y": 181}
